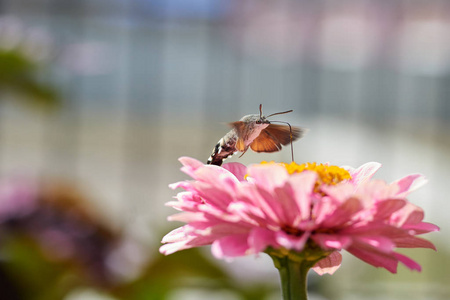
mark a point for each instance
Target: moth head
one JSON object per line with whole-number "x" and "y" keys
{"x": 262, "y": 120}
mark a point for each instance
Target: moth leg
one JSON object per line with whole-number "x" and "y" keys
{"x": 243, "y": 152}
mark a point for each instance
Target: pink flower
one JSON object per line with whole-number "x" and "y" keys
{"x": 294, "y": 208}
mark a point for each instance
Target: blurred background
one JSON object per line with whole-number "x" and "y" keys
{"x": 98, "y": 99}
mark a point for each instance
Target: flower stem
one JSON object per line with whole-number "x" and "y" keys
{"x": 293, "y": 275}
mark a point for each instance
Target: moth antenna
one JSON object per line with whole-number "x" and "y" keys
{"x": 290, "y": 133}
{"x": 280, "y": 113}
{"x": 260, "y": 111}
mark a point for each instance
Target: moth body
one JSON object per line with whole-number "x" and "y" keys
{"x": 254, "y": 124}
{"x": 224, "y": 148}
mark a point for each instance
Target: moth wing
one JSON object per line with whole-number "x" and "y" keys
{"x": 241, "y": 131}
{"x": 282, "y": 133}
{"x": 240, "y": 145}
{"x": 265, "y": 142}
{"x": 240, "y": 128}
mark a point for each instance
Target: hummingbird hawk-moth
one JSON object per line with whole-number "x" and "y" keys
{"x": 255, "y": 132}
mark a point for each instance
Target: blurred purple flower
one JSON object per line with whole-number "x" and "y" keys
{"x": 18, "y": 198}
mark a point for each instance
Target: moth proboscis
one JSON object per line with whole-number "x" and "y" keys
{"x": 258, "y": 133}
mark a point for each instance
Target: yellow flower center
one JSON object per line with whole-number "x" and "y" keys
{"x": 327, "y": 174}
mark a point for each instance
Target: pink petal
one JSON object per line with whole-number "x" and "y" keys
{"x": 188, "y": 197}
{"x": 374, "y": 257}
{"x": 187, "y": 217}
{"x": 186, "y": 243}
{"x": 329, "y": 264}
{"x": 187, "y": 201}
{"x": 422, "y": 227}
{"x": 414, "y": 215}
{"x": 181, "y": 184}
{"x": 364, "y": 172}
{"x": 212, "y": 195}
{"x": 385, "y": 208}
{"x": 409, "y": 183}
{"x": 408, "y": 262}
{"x": 342, "y": 214}
{"x": 178, "y": 240}
{"x": 413, "y": 242}
{"x": 216, "y": 176}
{"x": 246, "y": 213}
{"x": 302, "y": 186}
{"x": 219, "y": 229}
{"x": 268, "y": 176}
{"x": 339, "y": 192}
{"x": 293, "y": 242}
{"x": 377, "y": 190}
{"x": 331, "y": 241}
{"x": 258, "y": 207}
{"x": 214, "y": 184}
{"x": 173, "y": 247}
{"x": 190, "y": 165}
{"x": 374, "y": 229}
{"x": 230, "y": 246}
{"x": 269, "y": 204}
{"x": 380, "y": 243}
{"x": 288, "y": 209}
{"x": 260, "y": 238}
{"x": 409, "y": 214}
{"x": 237, "y": 169}
{"x": 175, "y": 235}
{"x": 322, "y": 209}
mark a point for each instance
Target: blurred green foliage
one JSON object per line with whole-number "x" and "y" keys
{"x": 31, "y": 274}
{"x": 187, "y": 269}
{"x": 20, "y": 76}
